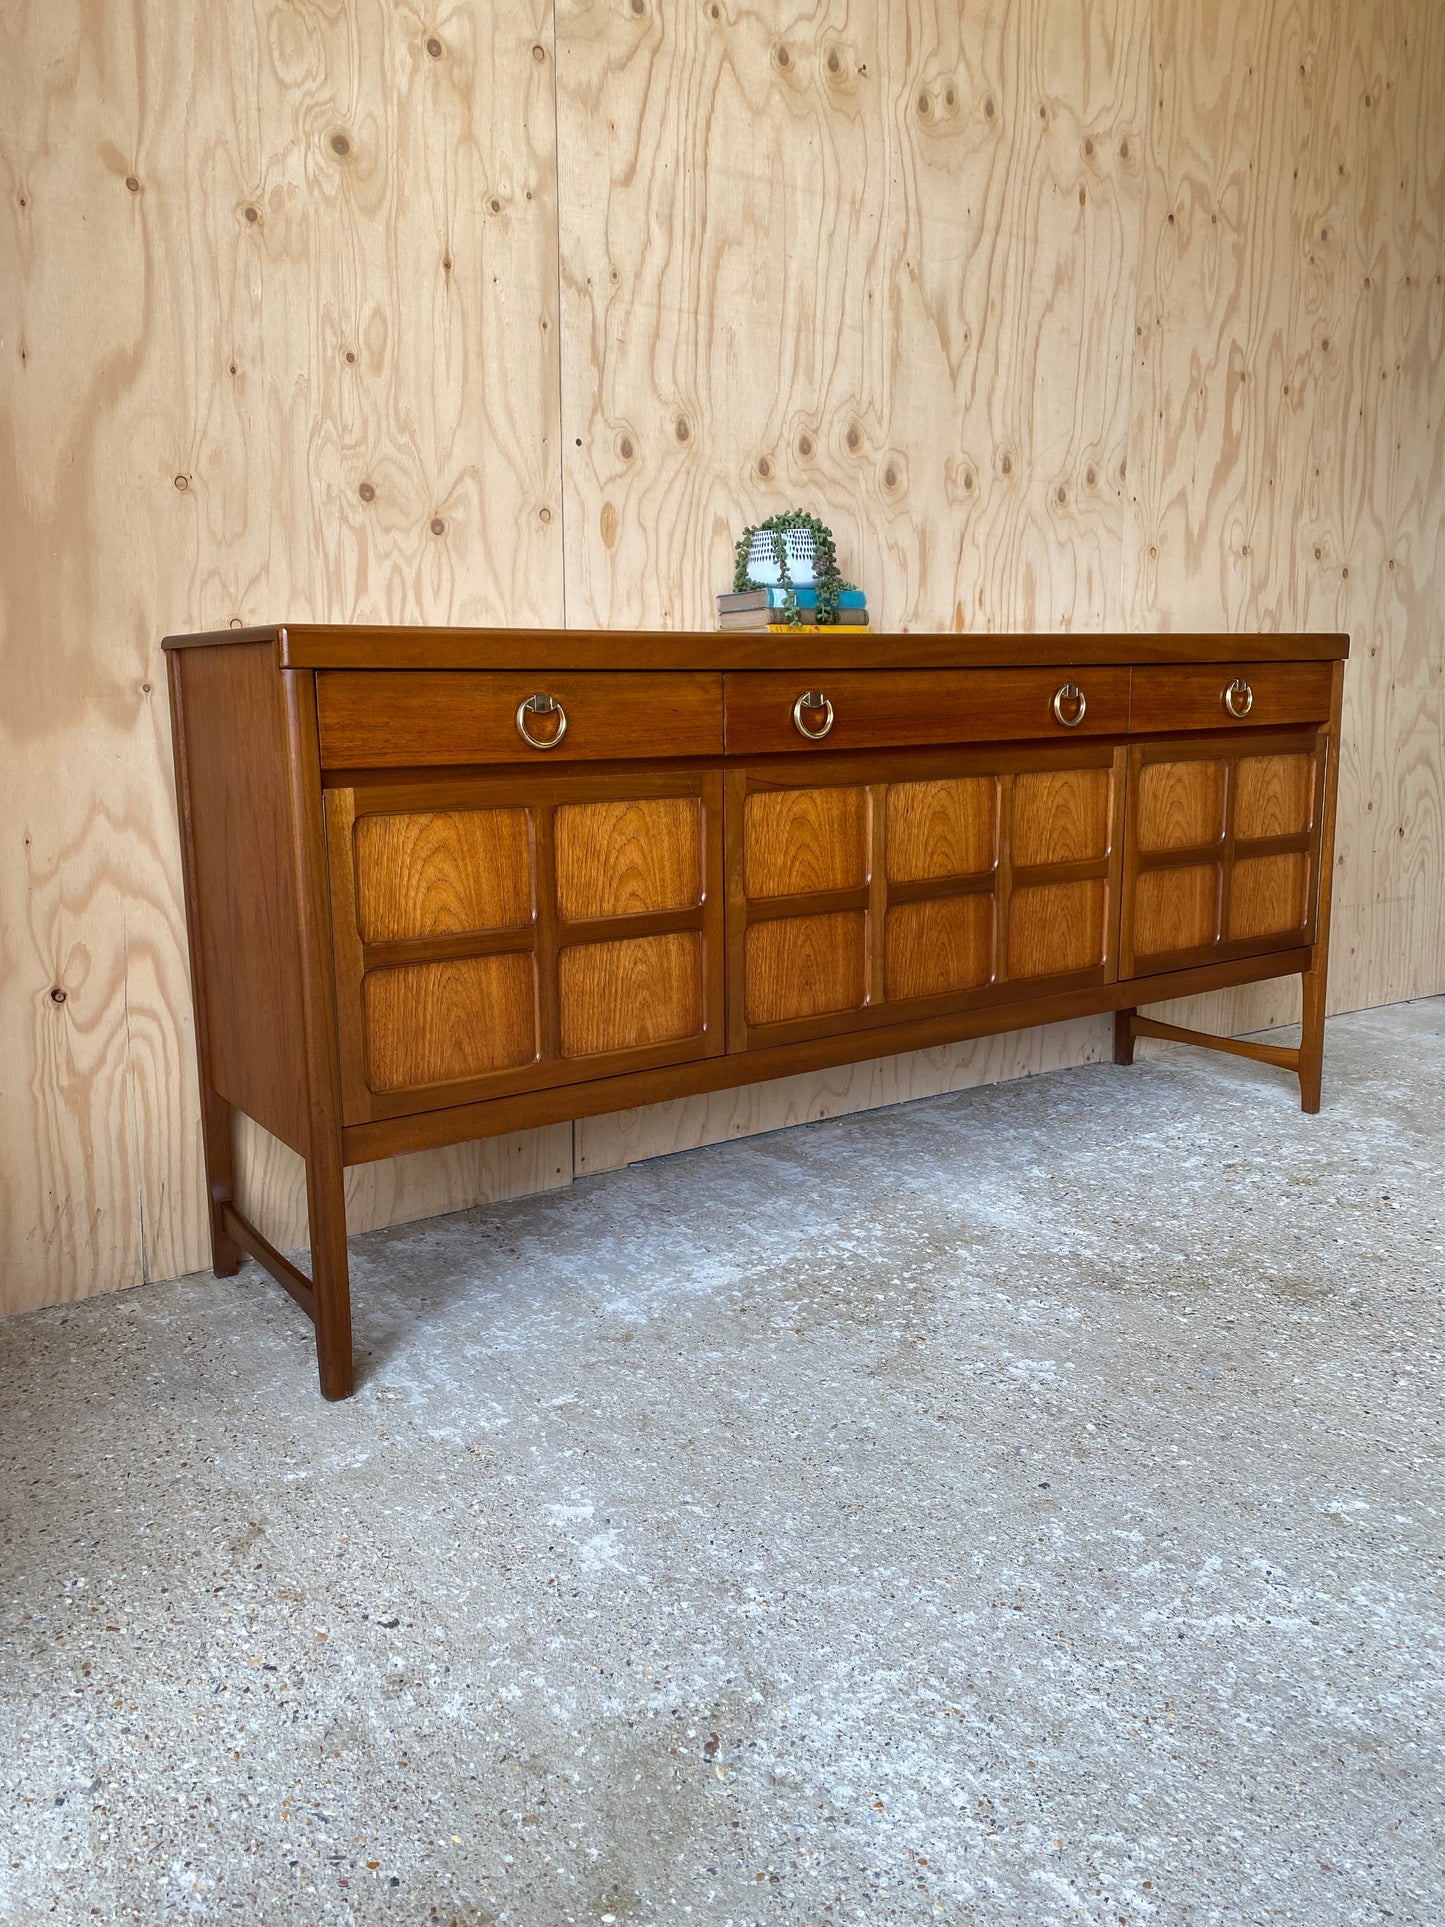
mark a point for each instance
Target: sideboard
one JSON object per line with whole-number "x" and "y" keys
{"x": 447, "y": 883}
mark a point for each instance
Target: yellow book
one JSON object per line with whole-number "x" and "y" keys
{"x": 819, "y": 629}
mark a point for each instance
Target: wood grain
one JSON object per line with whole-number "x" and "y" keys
{"x": 632, "y": 993}
{"x": 1180, "y": 805}
{"x": 919, "y": 706}
{"x": 1060, "y": 816}
{"x": 399, "y": 719}
{"x": 944, "y": 828}
{"x": 623, "y": 858}
{"x": 1114, "y": 315}
{"x": 1056, "y": 929}
{"x": 1273, "y": 796}
{"x": 303, "y": 645}
{"x": 799, "y": 841}
{"x": 271, "y": 1188}
{"x": 1267, "y": 896}
{"x": 606, "y": 1142}
{"x": 942, "y": 362}
{"x": 945, "y": 945}
{"x": 1193, "y": 698}
{"x": 798, "y": 967}
{"x": 1285, "y": 455}
{"x": 1175, "y": 910}
{"x": 244, "y": 371}
{"x": 433, "y": 873}
{"x": 240, "y": 833}
{"x": 1209, "y": 819}
{"x": 437, "y": 1023}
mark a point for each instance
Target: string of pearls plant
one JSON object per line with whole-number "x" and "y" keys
{"x": 825, "y": 563}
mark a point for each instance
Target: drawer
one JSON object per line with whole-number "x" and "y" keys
{"x": 411, "y": 718}
{"x": 879, "y": 709}
{"x": 1192, "y": 696}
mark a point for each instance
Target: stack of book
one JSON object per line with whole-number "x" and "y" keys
{"x": 768, "y": 609}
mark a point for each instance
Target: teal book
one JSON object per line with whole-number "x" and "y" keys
{"x": 776, "y": 597}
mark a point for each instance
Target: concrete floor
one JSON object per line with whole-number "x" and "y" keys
{"x": 1024, "y": 1506}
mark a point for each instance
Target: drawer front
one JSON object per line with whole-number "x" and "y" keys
{"x": 419, "y": 718}
{"x": 1270, "y": 695}
{"x": 499, "y": 934}
{"x": 879, "y": 709}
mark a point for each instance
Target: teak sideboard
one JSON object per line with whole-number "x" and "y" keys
{"x": 447, "y": 883}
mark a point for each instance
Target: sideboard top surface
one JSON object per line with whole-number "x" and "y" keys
{"x": 376, "y": 646}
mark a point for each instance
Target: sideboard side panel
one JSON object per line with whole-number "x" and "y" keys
{"x": 245, "y": 936}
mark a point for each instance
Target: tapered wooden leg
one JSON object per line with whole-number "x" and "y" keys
{"x": 1124, "y": 1036}
{"x": 220, "y": 1179}
{"x": 1312, "y": 1040}
{"x": 330, "y": 1274}
{"x": 1314, "y": 980}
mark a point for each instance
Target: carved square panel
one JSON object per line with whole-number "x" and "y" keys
{"x": 947, "y": 828}
{"x": 630, "y": 994}
{"x": 796, "y": 841}
{"x": 805, "y": 967}
{"x": 1060, "y": 816}
{"x": 1056, "y": 929}
{"x": 437, "y": 1023}
{"x": 1176, "y": 909}
{"x": 1274, "y": 796}
{"x": 939, "y": 946}
{"x": 1180, "y": 805}
{"x": 1267, "y": 895}
{"x": 626, "y": 858}
{"x": 425, "y": 873}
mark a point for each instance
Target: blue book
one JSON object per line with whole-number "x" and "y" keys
{"x": 776, "y": 597}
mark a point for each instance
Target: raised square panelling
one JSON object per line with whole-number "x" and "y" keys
{"x": 800, "y": 840}
{"x": 1176, "y": 910}
{"x": 941, "y": 946}
{"x": 1060, "y": 816}
{"x": 630, "y": 994}
{"x": 623, "y": 859}
{"x": 1267, "y": 895}
{"x": 1274, "y": 796}
{"x": 1181, "y": 805}
{"x": 942, "y": 829}
{"x": 441, "y": 873}
{"x": 438, "y": 1023}
{"x": 1056, "y": 929}
{"x": 805, "y": 967}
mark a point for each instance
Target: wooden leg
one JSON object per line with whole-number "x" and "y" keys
{"x": 1124, "y": 1036}
{"x": 1312, "y": 1040}
{"x": 1313, "y": 980}
{"x": 220, "y": 1179}
{"x": 330, "y": 1273}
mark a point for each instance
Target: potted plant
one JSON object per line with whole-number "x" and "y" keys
{"x": 791, "y": 549}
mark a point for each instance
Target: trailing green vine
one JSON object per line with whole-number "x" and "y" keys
{"x": 825, "y": 564}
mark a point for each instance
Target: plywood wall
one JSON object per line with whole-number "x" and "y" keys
{"x": 1064, "y": 313}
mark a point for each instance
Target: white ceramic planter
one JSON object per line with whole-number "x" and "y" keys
{"x": 801, "y": 551}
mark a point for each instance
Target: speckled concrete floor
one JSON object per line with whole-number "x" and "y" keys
{"x": 1019, "y": 1507}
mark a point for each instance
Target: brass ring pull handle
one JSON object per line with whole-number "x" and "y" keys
{"x": 812, "y": 699}
{"x": 1071, "y": 694}
{"x": 541, "y": 706}
{"x": 1239, "y": 699}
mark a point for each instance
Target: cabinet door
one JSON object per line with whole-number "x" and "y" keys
{"x": 1221, "y": 849}
{"x": 496, "y": 935}
{"x": 868, "y": 890}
